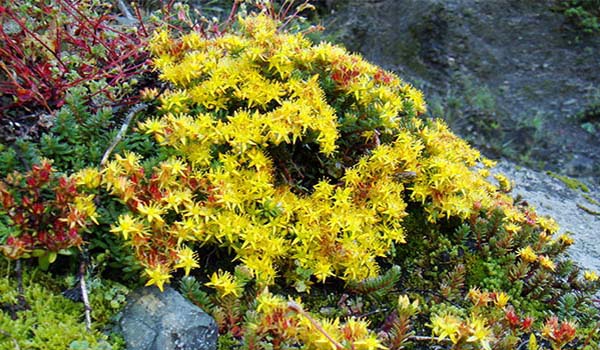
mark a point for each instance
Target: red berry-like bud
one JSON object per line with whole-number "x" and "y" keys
{"x": 527, "y": 322}
{"x": 38, "y": 208}
{"x": 512, "y": 318}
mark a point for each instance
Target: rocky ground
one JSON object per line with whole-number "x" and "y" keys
{"x": 510, "y": 76}
{"x": 576, "y": 211}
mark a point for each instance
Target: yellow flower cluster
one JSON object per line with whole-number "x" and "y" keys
{"x": 458, "y": 330}
{"x": 447, "y": 184}
{"x": 300, "y": 327}
{"x": 239, "y": 96}
{"x": 274, "y": 82}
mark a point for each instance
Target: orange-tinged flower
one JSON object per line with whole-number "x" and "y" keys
{"x": 479, "y": 298}
{"x": 558, "y": 333}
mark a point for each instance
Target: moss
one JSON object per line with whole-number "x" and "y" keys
{"x": 46, "y": 319}
{"x": 571, "y": 183}
{"x": 588, "y": 210}
{"x": 591, "y": 200}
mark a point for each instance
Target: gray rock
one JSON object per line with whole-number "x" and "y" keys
{"x": 155, "y": 320}
{"x": 553, "y": 198}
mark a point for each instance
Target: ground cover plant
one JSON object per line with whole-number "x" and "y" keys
{"x": 297, "y": 193}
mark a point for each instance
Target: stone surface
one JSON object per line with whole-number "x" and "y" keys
{"x": 552, "y": 197}
{"x": 155, "y": 320}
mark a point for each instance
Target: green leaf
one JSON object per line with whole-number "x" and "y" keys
{"x": 67, "y": 251}
{"x": 52, "y": 257}
{"x": 38, "y": 252}
{"x": 44, "y": 262}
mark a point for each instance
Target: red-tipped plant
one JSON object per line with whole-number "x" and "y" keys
{"x": 53, "y": 46}
{"x": 46, "y": 212}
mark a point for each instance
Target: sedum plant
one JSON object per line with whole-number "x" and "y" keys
{"x": 44, "y": 214}
{"x": 308, "y": 168}
{"x": 250, "y": 126}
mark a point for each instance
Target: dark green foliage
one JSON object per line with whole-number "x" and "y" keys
{"x": 190, "y": 288}
{"x": 583, "y": 14}
{"x": 378, "y": 287}
{"x": 78, "y": 138}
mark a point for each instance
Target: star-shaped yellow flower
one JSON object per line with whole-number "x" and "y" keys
{"x": 159, "y": 275}
{"x": 187, "y": 260}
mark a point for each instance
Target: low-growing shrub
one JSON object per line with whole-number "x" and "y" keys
{"x": 268, "y": 166}
{"x": 312, "y": 170}
{"x": 47, "y": 214}
{"x": 584, "y": 14}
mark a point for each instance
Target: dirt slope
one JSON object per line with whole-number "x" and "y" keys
{"x": 509, "y": 75}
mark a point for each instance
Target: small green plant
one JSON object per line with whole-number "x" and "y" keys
{"x": 571, "y": 183}
{"x": 583, "y": 14}
{"x": 50, "y": 321}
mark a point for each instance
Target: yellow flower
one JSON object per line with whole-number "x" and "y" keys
{"x": 152, "y": 212}
{"x": 175, "y": 101}
{"x": 128, "y": 226}
{"x": 154, "y": 126}
{"x": 187, "y": 260}
{"x": 501, "y": 299}
{"x": 266, "y": 302}
{"x": 416, "y": 96}
{"x": 590, "y": 276}
{"x": 547, "y": 263}
{"x": 406, "y": 307}
{"x": 479, "y": 333}
{"x": 566, "y": 239}
{"x": 512, "y": 228}
{"x": 85, "y": 205}
{"x": 548, "y": 224}
{"x": 322, "y": 270}
{"x": 504, "y": 183}
{"x": 488, "y": 163}
{"x": 527, "y": 254}
{"x": 446, "y": 326}
{"x": 130, "y": 162}
{"x": 89, "y": 177}
{"x": 159, "y": 275}
{"x": 225, "y": 284}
